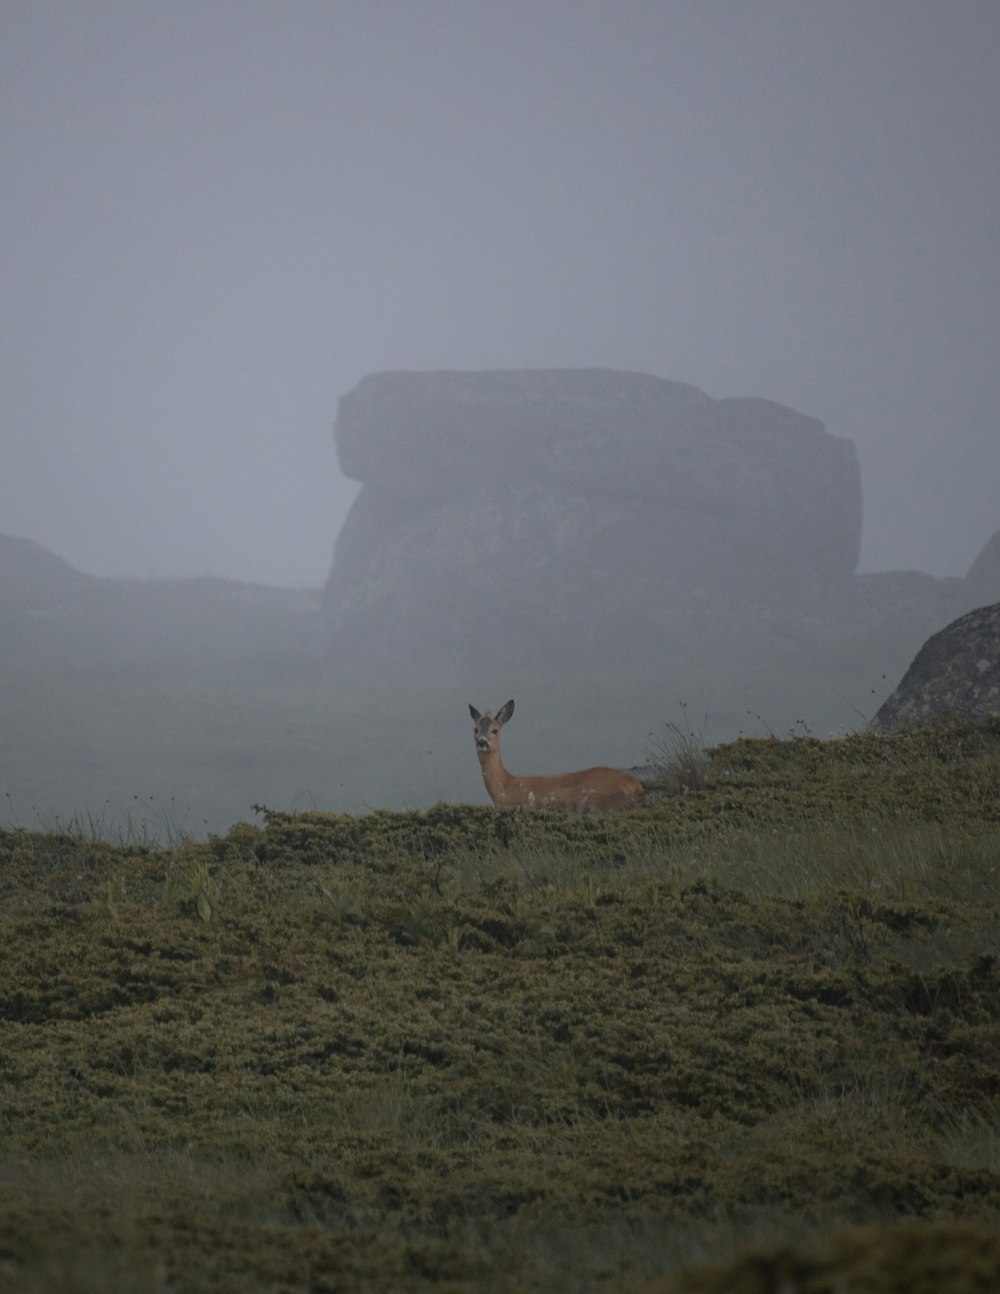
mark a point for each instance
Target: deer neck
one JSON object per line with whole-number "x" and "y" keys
{"x": 496, "y": 779}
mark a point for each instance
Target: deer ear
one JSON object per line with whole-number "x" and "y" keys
{"x": 476, "y": 716}
{"x": 505, "y": 712}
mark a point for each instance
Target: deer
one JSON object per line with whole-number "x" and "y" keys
{"x": 597, "y": 788}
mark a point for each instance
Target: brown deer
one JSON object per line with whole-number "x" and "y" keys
{"x": 598, "y": 788}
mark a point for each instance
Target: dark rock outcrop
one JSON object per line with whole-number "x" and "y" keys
{"x": 575, "y": 519}
{"x": 956, "y": 674}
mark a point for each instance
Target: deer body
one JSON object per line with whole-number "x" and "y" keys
{"x": 599, "y": 788}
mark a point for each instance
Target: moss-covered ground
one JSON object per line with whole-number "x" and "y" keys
{"x": 744, "y": 1039}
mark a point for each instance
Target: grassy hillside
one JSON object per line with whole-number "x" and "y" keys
{"x": 745, "y": 1039}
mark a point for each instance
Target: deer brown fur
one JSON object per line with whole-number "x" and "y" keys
{"x": 598, "y": 788}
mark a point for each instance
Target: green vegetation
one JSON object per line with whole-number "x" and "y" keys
{"x": 746, "y": 1038}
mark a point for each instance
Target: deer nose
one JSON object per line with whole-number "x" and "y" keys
{"x": 482, "y": 743}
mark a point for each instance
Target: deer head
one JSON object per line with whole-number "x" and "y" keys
{"x": 487, "y": 727}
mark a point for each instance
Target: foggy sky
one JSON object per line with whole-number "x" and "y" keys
{"x": 218, "y": 215}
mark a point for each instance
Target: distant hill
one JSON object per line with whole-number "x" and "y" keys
{"x": 51, "y": 611}
{"x": 31, "y": 576}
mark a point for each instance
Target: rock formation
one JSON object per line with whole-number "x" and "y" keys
{"x": 956, "y": 674}
{"x": 575, "y": 519}
{"x": 543, "y": 524}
